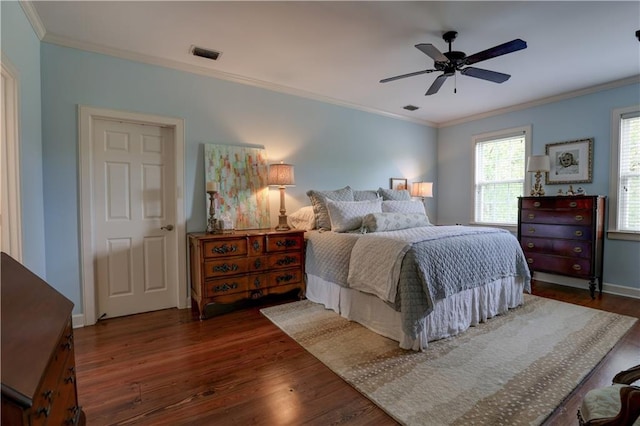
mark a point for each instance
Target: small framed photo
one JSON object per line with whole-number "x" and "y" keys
{"x": 398, "y": 183}
{"x": 571, "y": 162}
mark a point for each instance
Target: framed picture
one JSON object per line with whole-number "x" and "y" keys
{"x": 571, "y": 162}
{"x": 398, "y": 183}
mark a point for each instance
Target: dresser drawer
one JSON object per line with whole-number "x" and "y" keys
{"x": 286, "y": 276}
{"x": 555, "y": 231}
{"x": 221, "y": 287}
{"x": 558, "y": 203}
{"x": 284, "y": 242}
{"x": 284, "y": 260}
{"x": 225, "y": 248}
{"x": 572, "y": 266}
{"x": 563, "y": 217}
{"x": 569, "y": 248}
{"x": 224, "y": 267}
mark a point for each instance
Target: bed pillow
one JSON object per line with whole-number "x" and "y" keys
{"x": 403, "y": 206}
{"x": 319, "y": 204}
{"x": 347, "y": 215}
{"x": 303, "y": 218}
{"x": 394, "y": 194}
{"x": 378, "y": 222}
{"x": 365, "y": 195}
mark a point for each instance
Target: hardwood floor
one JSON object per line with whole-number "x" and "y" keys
{"x": 168, "y": 368}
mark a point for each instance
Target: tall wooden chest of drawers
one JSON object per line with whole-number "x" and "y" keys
{"x": 38, "y": 364}
{"x": 564, "y": 235}
{"x": 228, "y": 269}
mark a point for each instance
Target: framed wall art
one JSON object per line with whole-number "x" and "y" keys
{"x": 398, "y": 183}
{"x": 571, "y": 162}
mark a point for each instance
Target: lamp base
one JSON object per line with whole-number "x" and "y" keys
{"x": 537, "y": 190}
{"x": 282, "y": 223}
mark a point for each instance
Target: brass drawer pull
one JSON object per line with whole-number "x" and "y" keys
{"x": 578, "y": 233}
{"x": 577, "y": 249}
{"x": 285, "y": 278}
{"x": 529, "y": 260}
{"x": 530, "y": 245}
{"x": 579, "y": 217}
{"x": 225, "y": 287}
{"x": 286, "y": 243}
{"x": 531, "y": 216}
{"x": 223, "y": 249}
{"x": 532, "y": 230}
{"x": 576, "y": 267}
{"x": 536, "y": 204}
{"x": 256, "y": 245}
{"x": 257, "y": 264}
{"x": 225, "y": 268}
{"x": 573, "y": 204}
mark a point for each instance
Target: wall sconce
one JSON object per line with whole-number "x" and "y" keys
{"x": 281, "y": 175}
{"x": 538, "y": 164}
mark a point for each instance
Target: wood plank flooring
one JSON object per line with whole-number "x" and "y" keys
{"x": 168, "y": 368}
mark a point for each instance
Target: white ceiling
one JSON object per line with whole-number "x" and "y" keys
{"x": 338, "y": 51}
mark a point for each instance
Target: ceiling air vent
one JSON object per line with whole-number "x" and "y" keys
{"x": 410, "y": 107}
{"x": 205, "y": 53}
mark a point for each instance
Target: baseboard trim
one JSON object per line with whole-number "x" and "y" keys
{"x": 584, "y": 284}
{"x": 77, "y": 320}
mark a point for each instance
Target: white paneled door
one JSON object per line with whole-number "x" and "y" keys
{"x": 135, "y": 241}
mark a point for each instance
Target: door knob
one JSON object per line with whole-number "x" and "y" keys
{"x": 167, "y": 228}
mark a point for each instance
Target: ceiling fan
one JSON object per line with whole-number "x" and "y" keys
{"x": 452, "y": 61}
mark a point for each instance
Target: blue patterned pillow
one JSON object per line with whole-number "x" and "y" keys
{"x": 365, "y": 195}
{"x": 394, "y": 194}
{"x": 403, "y": 207}
{"x": 378, "y": 222}
{"x": 347, "y": 215}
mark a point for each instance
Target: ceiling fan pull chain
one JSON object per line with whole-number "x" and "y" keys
{"x": 455, "y": 83}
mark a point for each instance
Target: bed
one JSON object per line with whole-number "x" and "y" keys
{"x": 409, "y": 280}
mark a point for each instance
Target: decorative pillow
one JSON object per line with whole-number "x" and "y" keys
{"x": 403, "y": 207}
{"x": 367, "y": 195}
{"x": 319, "y": 203}
{"x": 347, "y": 215}
{"x": 378, "y": 222}
{"x": 394, "y": 194}
{"x": 304, "y": 218}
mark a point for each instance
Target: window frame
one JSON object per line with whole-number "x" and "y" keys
{"x": 614, "y": 176}
{"x": 499, "y": 134}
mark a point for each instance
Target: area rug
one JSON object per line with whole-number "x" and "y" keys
{"x": 514, "y": 369}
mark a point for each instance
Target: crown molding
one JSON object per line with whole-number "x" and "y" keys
{"x": 556, "y": 98}
{"x": 195, "y": 69}
{"x": 34, "y": 18}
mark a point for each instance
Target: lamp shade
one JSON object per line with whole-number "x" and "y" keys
{"x": 538, "y": 163}
{"x": 422, "y": 189}
{"x": 281, "y": 175}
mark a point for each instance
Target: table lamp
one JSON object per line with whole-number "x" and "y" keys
{"x": 538, "y": 164}
{"x": 281, "y": 175}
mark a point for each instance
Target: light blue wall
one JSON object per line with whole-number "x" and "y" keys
{"x": 330, "y": 146}
{"x": 21, "y": 47}
{"x": 587, "y": 116}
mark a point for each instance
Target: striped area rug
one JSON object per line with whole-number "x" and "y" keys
{"x": 515, "y": 369}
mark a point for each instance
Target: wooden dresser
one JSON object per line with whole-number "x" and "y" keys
{"x": 38, "y": 363}
{"x": 229, "y": 269}
{"x": 564, "y": 235}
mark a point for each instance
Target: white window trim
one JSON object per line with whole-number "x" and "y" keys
{"x": 10, "y": 163}
{"x": 614, "y": 179}
{"x": 527, "y": 181}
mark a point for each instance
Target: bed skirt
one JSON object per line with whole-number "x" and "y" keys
{"x": 450, "y": 316}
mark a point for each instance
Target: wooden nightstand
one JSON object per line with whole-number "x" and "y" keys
{"x": 230, "y": 269}
{"x": 564, "y": 235}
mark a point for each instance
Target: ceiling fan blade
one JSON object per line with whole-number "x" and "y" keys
{"x": 496, "y": 77}
{"x": 502, "y": 49}
{"x": 437, "y": 83}
{"x": 431, "y": 51}
{"x": 411, "y": 74}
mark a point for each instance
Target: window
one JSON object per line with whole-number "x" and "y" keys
{"x": 499, "y": 164}
{"x": 624, "y": 193}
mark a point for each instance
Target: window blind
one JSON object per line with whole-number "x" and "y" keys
{"x": 629, "y": 173}
{"x": 499, "y": 179}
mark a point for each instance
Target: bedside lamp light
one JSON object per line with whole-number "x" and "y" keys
{"x": 538, "y": 164}
{"x": 281, "y": 175}
{"x": 422, "y": 190}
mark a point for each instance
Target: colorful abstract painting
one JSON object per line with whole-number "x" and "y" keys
{"x": 241, "y": 173}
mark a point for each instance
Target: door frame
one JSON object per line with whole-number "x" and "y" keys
{"x": 86, "y": 117}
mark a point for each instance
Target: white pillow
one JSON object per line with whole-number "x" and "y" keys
{"x": 403, "y": 206}
{"x": 304, "y": 218}
{"x": 347, "y": 215}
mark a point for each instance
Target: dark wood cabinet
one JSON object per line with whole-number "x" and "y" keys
{"x": 229, "y": 269}
{"x": 38, "y": 363}
{"x": 564, "y": 235}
